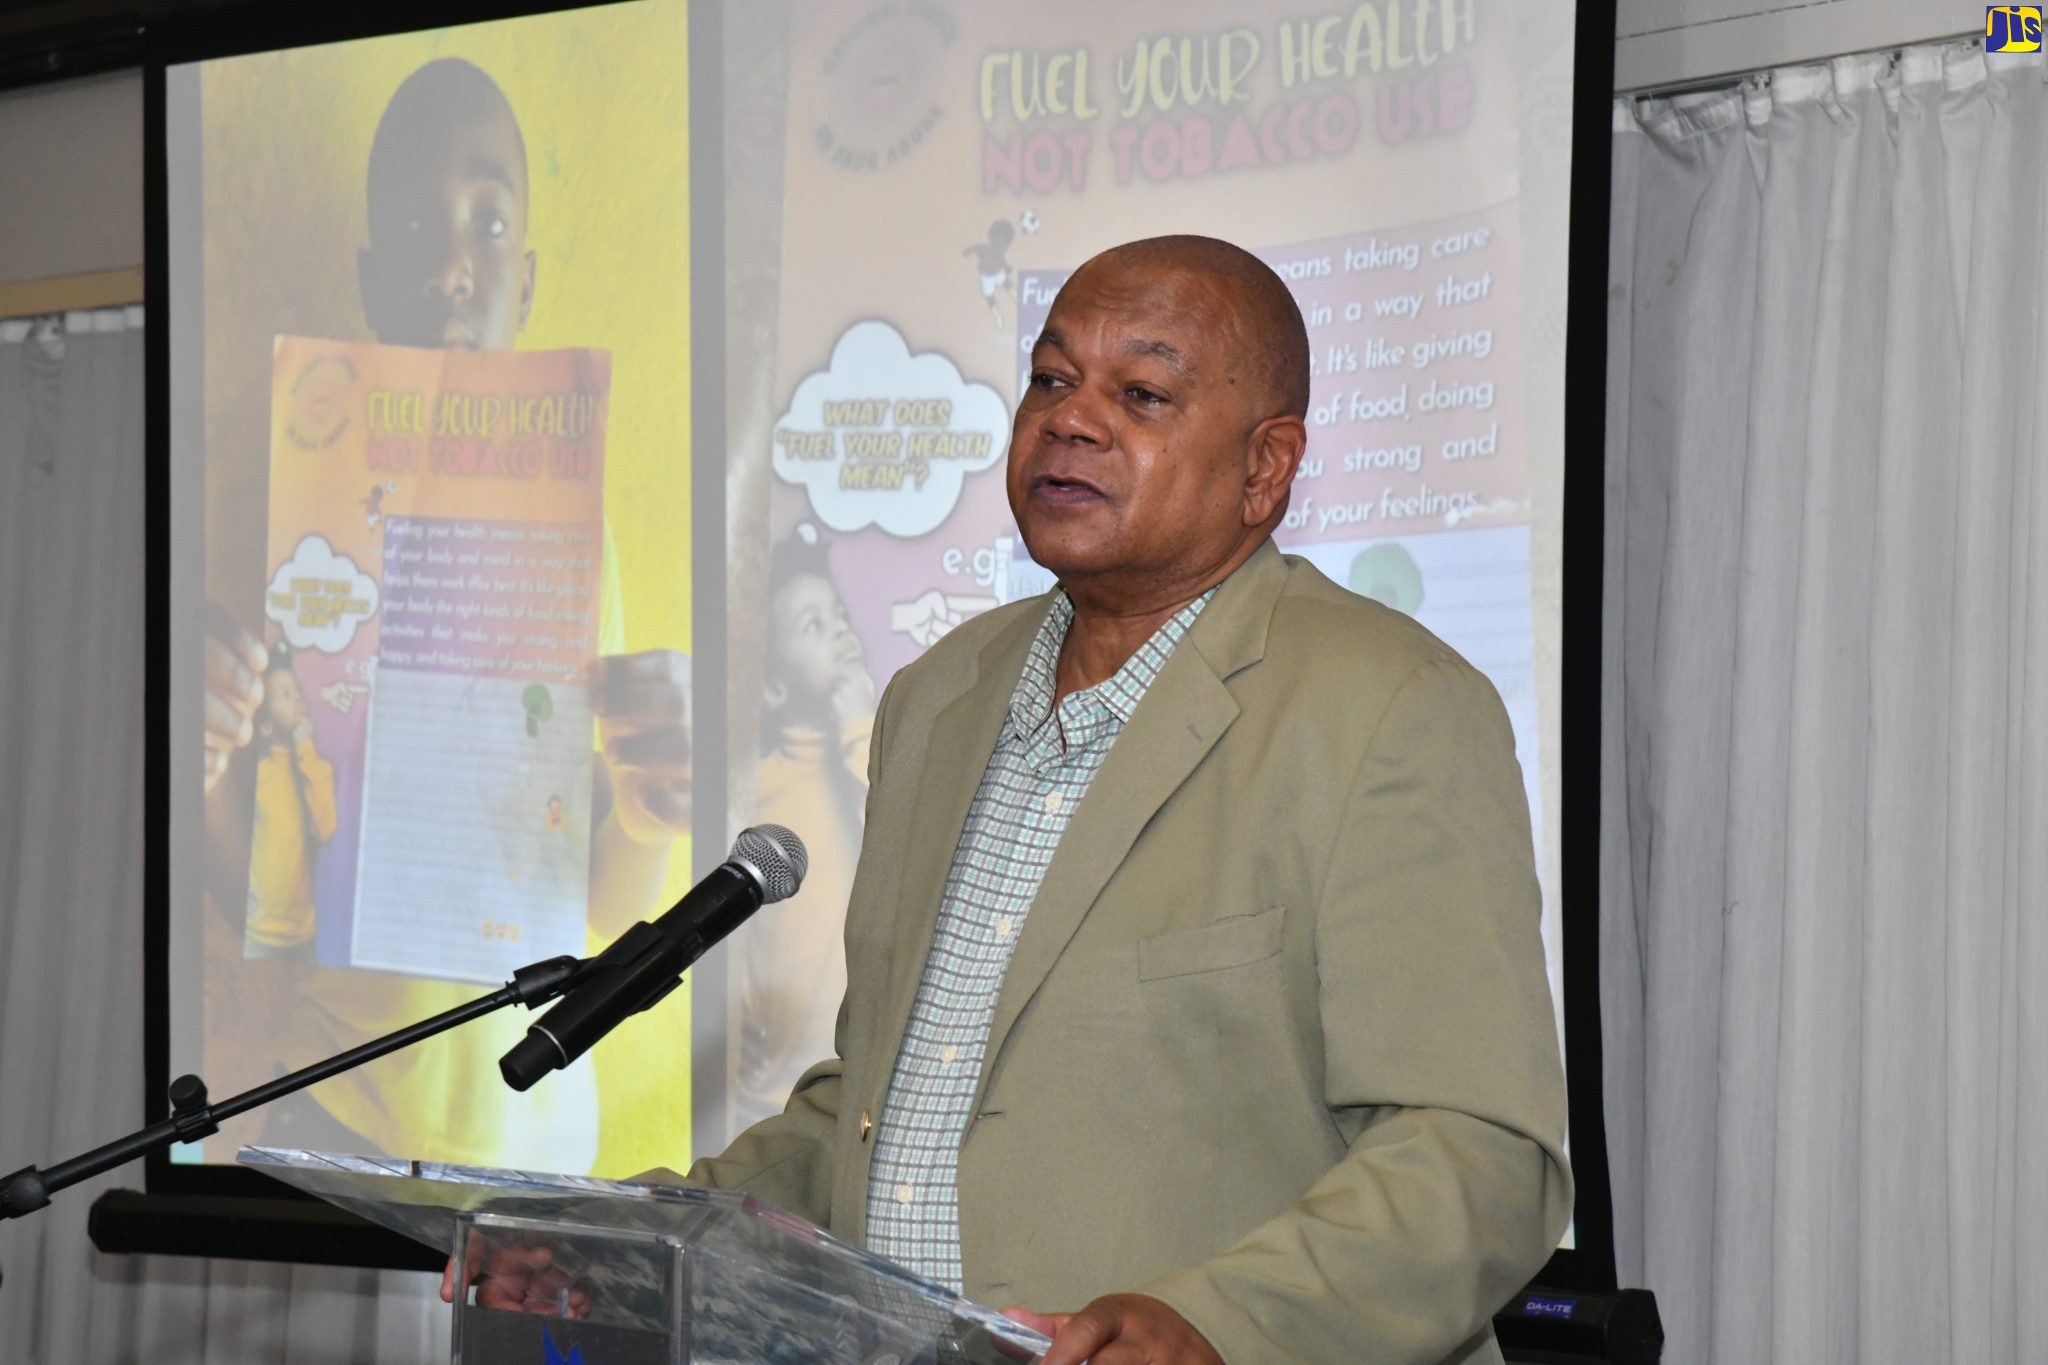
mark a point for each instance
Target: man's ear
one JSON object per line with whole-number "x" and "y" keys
{"x": 366, "y": 284}
{"x": 526, "y": 291}
{"x": 774, "y": 694}
{"x": 1273, "y": 455}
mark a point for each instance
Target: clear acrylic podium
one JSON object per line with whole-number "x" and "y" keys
{"x": 663, "y": 1275}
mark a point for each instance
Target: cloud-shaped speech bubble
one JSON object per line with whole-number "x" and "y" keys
{"x": 319, "y": 597}
{"x": 886, "y": 438}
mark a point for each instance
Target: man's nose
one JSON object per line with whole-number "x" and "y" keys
{"x": 1078, "y": 419}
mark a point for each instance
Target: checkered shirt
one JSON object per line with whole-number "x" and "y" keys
{"x": 1042, "y": 765}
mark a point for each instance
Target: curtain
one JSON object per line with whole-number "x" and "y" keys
{"x": 72, "y": 577}
{"x": 1825, "y": 712}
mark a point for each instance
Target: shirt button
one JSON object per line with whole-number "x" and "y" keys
{"x": 948, "y": 1053}
{"x": 1053, "y": 802}
{"x": 1005, "y": 927}
{"x": 867, "y": 1125}
{"x": 904, "y": 1194}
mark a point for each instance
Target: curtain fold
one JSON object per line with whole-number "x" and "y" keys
{"x": 1825, "y": 778}
{"x": 72, "y": 578}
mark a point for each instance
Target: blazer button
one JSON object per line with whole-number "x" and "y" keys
{"x": 867, "y": 1125}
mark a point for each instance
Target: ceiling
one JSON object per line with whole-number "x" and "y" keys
{"x": 42, "y": 40}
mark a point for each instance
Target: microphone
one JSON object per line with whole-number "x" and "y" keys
{"x": 767, "y": 864}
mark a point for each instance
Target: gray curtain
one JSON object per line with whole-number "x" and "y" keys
{"x": 1825, "y": 738}
{"x": 72, "y": 575}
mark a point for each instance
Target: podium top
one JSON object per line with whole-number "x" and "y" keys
{"x": 766, "y": 1268}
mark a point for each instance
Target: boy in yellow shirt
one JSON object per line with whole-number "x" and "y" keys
{"x": 447, "y": 265}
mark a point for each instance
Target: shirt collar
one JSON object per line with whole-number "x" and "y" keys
{"x": 1031, "y": 705}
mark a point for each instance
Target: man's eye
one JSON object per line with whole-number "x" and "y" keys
{"x": 1041, "y": 379}
{"x": 495, "y": 227}
{"x": 1145, "y": 395}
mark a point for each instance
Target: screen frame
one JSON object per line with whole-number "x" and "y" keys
{"x": 1588, "y": 1264}
{"x": 250, "y": 26}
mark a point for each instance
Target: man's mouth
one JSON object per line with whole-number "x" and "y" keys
{"x": 1064, "y": 490}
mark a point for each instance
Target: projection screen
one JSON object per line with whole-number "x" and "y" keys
{"x": 454, "y": 687}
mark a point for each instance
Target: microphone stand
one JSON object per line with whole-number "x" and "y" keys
{"x": 193, "y": 1118}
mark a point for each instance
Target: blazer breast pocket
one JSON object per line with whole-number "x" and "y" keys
{"x": 1235, "y": 942}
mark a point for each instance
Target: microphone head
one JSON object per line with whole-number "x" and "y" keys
{"x": 776, "y": 858}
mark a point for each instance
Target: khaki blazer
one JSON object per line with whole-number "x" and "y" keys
{"x": 1276, "y": 1044}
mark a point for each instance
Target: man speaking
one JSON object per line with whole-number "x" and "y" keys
{"x": 1194, "y": 954}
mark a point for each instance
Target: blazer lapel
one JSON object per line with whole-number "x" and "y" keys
{"x": 1183, "y": 714}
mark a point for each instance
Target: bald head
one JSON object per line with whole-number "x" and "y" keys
{"x": 1155, "y": 444}
{"x": 1268, "y": 331}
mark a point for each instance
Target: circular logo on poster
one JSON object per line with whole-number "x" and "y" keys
{"x": 320, "y": 402}
{"x": 881, "y": 85}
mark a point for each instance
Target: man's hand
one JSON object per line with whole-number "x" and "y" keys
{"x": 519, "y": 1280}
{"x": 1119, "y": 1329}
{"x": 642, "y": 703}
{"x": 235, "y": 661}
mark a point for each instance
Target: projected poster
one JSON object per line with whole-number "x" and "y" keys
{"x": 432, "y": 348}
{"x": 947, "y": 167}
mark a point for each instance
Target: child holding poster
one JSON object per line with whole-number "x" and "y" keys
{"x": 397, "y": 190}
